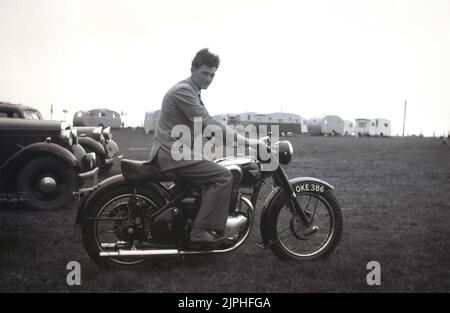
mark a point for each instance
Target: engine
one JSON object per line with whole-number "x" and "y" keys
{"x": 172, "y": 225}
{"x": 169, "y": 226}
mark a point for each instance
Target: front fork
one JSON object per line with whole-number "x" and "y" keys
{"x": 282, "y": 179}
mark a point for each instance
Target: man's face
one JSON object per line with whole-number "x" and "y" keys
{"x": 203, "y": 76}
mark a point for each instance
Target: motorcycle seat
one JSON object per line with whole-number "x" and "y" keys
{"x": 144, "y": 171}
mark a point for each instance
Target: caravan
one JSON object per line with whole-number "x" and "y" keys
{"x": 326, "y": 125}
{"x": 373, "y": 127}
{"x": 97, "y": 117}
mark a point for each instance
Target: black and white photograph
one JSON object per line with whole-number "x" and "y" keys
{"x": 224, "y": 152}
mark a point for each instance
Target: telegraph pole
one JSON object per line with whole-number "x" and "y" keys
{"x": 404, "y": 119}
{"x": 448, "y": 132}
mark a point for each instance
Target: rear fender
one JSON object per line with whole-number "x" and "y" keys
{"x": 110, "y": 183}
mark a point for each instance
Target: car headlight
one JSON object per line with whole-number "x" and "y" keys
{"x": 74, "y": 134}
{"x": 97, "y": 134}
{"x": 89, "y": 161}
{"x": 67, "y": 137}
{"x": 285, "y": 151}
{"x": 107, "y": 133}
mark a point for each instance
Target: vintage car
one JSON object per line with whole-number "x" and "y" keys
{"x": 92, "y": 139}
{"x": 42, "y": 164}
{"x": 9, "y": 110}
{"x": 99, "y": 140}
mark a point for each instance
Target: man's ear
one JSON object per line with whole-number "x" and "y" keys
{"x": 193, "y": 69}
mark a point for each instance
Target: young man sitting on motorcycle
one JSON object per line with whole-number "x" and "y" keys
{"x": 181, "y": 104}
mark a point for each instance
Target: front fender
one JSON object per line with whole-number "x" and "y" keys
{"x": 91, "y": 145}
{"x": 109, "y": 184}
{"x": 299, "y": 184}
{"x": 112, "y": 148}
{"x": 79, "y": 152}
{"x": 10, "y": 167}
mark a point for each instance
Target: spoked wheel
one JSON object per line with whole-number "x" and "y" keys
{"x": 290, "y": 238}
{"x": 108, "y": 226}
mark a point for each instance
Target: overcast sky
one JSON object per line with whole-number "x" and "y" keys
{"x": 351, "y": 58}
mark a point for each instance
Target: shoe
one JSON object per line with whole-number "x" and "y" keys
{"x": 200, "y": 238}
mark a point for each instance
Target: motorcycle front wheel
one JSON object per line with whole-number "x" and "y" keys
{"x": 107, "y": 224}
{"x": 291, "y": 239}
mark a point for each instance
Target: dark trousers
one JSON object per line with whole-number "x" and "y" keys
{"x": 216, "y": 182}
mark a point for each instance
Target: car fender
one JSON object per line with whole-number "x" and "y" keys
{"x": 78, "y": 151}
{"x": 11, "y": 166}
{"x": 92, "y": 145}
{"x": 112, "y": 148}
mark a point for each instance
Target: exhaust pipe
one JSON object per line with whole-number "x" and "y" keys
{"x": 140, "y": 252}
{"x": 154, "y": 252}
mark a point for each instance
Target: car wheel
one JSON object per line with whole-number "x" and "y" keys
{"x": 48, "y": 182}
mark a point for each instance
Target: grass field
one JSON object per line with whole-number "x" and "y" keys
{"x": 395, "y": 195}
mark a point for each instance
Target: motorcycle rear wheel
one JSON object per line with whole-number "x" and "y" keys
{"x": 290, "y": 239}
{"x": 105, "y": 227}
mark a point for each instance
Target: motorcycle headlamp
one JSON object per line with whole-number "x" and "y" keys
{"x": 285, "y": 151}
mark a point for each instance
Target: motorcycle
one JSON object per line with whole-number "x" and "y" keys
{"x": 141, "y": 213}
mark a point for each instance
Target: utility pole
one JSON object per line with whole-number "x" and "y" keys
{"x": 51, "y": 111}
{"x": 404, "y": 119}
{"x": 448, "y": 132}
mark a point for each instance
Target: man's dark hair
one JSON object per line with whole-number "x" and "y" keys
{"x": 204, "y": 57}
